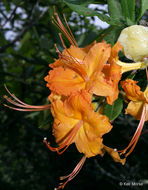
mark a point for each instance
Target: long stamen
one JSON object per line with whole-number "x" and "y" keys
{"x": 59, "y": 24}
{"x": 19, "y": 103}
{"x": 72, "y": 174}
{"x": 70, "y": 60}
{"x": 57, "y": 50}
{"x": 70, "y": 31}
{"x": 68, "y": 141}
{"x": 128, "y": 150}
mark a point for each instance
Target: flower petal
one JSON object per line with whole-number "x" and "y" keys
{"x": 135, "y": 109}
{"x": 99, "y": 85}
{"x": 87, "y": 147}
{"x": 97, "y": 57}
{"x": 114, "y": 72}
{"x": 64, "y": 81}
{"x": 132, "y": 90}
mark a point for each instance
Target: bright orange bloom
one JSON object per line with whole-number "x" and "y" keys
{"x": 76, "y": 69}
{"x": 75, "y": 121}
{"x": 137, "y": 107}
{"x": 83, "y": 68}
{"x": 137, "y": 97}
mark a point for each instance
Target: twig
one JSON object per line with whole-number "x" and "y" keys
{"x": 9, "y": 18}
{"x": 25, "y": 29}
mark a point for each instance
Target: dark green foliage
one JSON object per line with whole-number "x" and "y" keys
{"x": 113, "y": 111}
{"x": 25, "y": 162}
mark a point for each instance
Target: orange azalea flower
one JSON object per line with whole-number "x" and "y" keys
{"x": 138, "y": 98}
{"x": 76, "y": 122}
{"x": 137, "y": 107}
{"x": 82, "y": 68}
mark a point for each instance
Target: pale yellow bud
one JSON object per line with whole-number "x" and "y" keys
{"x": 134, "y": 40}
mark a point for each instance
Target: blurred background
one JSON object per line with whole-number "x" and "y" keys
{"x": 27, "y": 38}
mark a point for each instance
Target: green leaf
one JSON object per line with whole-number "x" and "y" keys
{"x": 7, "y": 5}
{"x": 111, "y": 34}
{"x": 81, "y": 9}
{"x": 129, "y": 22}
{"x": 112, "y": 111}
{"x": 25, "y": 39}
{"x": 114, "y": 9}
{"x": 46, "y": 123}
{"x": 87, "y": 38}
{"x": 143, "y": 8}
{"x": 128, "y": 9}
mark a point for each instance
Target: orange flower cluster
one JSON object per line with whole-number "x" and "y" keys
{"x": 74, "y": 78}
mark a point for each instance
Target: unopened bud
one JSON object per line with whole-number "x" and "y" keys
{"x": 134, "y": 40}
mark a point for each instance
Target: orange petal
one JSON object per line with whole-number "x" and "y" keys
{"x": 97, "y": 57}
{"x": 99, "y": 85}
{"x": 62, "y": 123}
{"x": 89, "y": 137}
{"x": 64, "y": 81}
{"x": 78, "y": 104}
{"x": 75, "y": 52}
{"x": 132, "y": 90}
{"x": 114, "y": 72}
{"x": 113, "y": 59}
{"x": 111, "y": 98}
{"x": 135, "y": 109}
{"x": 106, "y": 70}
{"x": 87, "y": 147}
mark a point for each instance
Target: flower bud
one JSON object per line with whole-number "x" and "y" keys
{"x": 134, "y": 40}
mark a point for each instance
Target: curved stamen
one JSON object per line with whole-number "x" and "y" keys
{"x": 60, "y": 25}
{"x": 136, "y": 136}
{"x": 68, "y": 141}
{"x": 74, "y": 64}
{"x": 70, "y": 60}
{"x": 21, "y": 104}
{"x": 72, "y": 36}
{"x": 72, "y": 174}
